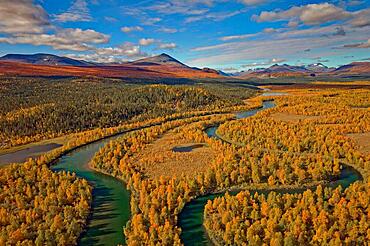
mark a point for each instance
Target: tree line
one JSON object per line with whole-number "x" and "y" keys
{"x": 34, "y": 109}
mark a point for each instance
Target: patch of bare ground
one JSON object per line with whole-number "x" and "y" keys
{"x": 362, "y": 140}
{"x": 172, "y": 155}
{"x": 292, "y": 117}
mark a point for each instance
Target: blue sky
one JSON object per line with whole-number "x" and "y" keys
{"x": 222, "y": 34}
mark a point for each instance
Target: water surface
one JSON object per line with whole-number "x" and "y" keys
{"x": 191, "y": 217}
{"x": 111, "y": 201}
{"x": 23, "y": 155}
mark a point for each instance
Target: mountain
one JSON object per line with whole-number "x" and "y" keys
{"x": 354, "y": 68}
{"x": 156, "y": 67}
{"x": 214, "y": 71}
{"x": 45, "y": 59}
{"x": 160, "y": 66}
{"x": 162, "y": 59}
{"x": 167, "y": 64}
{"x": 285, "y": 68}
{"x": 275, "y": 70}
{"x": 318, "y": 68}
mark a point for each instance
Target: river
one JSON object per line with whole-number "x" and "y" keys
{"x": 191, "y": 217}
{"x": 111, "y": 201}
{"x": 110, "y": 208}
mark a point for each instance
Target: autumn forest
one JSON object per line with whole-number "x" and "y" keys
{"x": 271, "y": 165}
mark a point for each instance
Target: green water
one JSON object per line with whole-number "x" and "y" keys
{"x": 211, "y": 131}
{"x": 111, "y": 205}
{"x": 111, "y": 201}
{"x": 191, "y": 217}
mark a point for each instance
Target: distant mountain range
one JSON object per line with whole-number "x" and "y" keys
{"x": 286, "y": 69}
{"x": 160, "y": 66}
{"x": 316, "y": 69}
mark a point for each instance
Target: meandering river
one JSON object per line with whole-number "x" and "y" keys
{"x": 111, "y": 201}
{"x": 111, "y": 207}
{"x": 191, "y": 217}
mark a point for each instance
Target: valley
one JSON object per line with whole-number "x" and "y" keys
{"x": 157, "y": 174}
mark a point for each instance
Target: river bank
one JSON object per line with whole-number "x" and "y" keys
{"x": 191, "y": 217}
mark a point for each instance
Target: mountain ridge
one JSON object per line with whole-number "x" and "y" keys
{"x": 285, "y": 70}
{"x": 45, "y": 59}
{"x": 159, "y": 59}
{"x": 155, "y": 67}
{"x": 162, "y": 65}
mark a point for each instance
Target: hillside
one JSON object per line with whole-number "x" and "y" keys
{"x": 354, "y": 68}
{"x": 162, "y": 66}
{"x": 45, "y": 59}
{"x": 162, "y": 59}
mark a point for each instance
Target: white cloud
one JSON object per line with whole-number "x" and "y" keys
{"x": 151, "y": 21}
{"x": 110, "y": 19}
{"x": 83, "y": 36}
{"x": 292, "y": 23}
{"x": 315, "y": 14}
{"x": 252, "y": 2}
{"x": 269, "y": 30}
{"x": 78, "y": 11}
{"x": 127, "y": 49}
{"x": 127, "y": 29}
{"x": 322, "y": 13}
{"x": 22, "y": 16}
{"x": 167, "y": 30}
{"x": 46, "y": 39}
{"x": 234, "y": 37}
{"x": 146, "y": 41}
{"x": 358, "y": 45}
{"x": 187, "y": 7}
{"x": 66, "y": 39}
{"x": 311, "y": 14}
{"x": 97, "y": 58}
{"x": 211, "y": 47}
{"x": 361, "y": 18}
{"x": 193, "y": 10}
{"x": 214, "y": 16}
{"x": 167, "y": 46}
{"x": 317, "y": 31}
{"x": 276, "y": 60}
{"x": 228, "y": 69}
{"x": 117, "y": 54}
{"x": 354, "y": 2}
{"x": 264, "y": 63}
{"x": 284, "y": 43}
{"x": 142, "y": 15}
